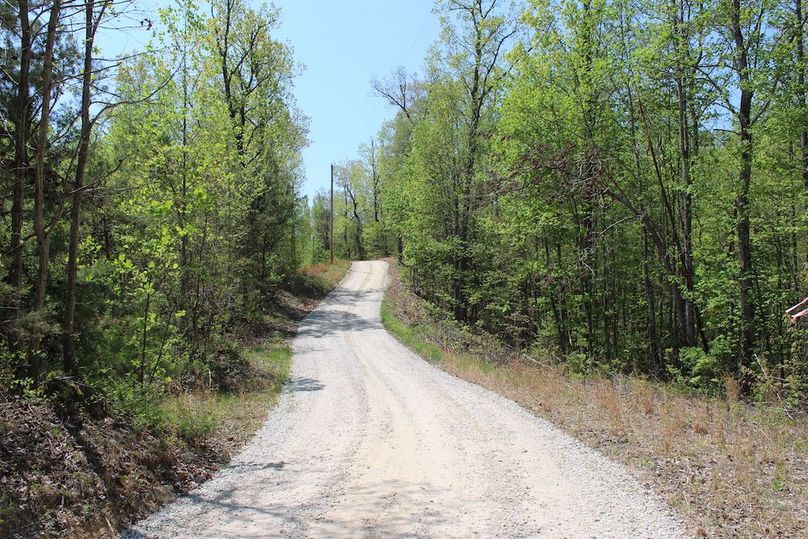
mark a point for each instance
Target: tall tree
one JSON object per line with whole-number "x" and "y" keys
{"x": 92, "y": 21}
{"x": 21, "y": 128}
{"x": 40, "y": 227}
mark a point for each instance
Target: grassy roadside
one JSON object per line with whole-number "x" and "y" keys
{"x": 731, "y": 469}
{"x": 76, "y": 475}
{"x": 227, "y": 419}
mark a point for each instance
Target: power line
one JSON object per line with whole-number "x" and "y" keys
{"x": 429, "y": 15}
{"x": 417, "y": 37}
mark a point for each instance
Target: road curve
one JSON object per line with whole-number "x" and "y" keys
{"x": 370, "y": 440}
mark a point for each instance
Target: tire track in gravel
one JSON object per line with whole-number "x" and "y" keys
{"x": 369, "y": 440}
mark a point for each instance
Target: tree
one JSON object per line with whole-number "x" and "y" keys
{"x": 42, "y": 235}
{"x": 92, "y": 21}
{"x": 21, "y": 113}
{"x": 587, "y": 207}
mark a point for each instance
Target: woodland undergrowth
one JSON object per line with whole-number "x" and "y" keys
{"x": 731, "y": 467}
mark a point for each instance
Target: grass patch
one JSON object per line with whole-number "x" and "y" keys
{"x": 410, "y": 336}
{"x": 317, "y": 280}
{"x": 731, "y": 468}
{"x": 230, "y": 416}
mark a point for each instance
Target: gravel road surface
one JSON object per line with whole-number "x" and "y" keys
{"x": 368, "y": 440}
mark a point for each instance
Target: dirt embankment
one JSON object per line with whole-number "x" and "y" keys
{"x": 70, "y": 473}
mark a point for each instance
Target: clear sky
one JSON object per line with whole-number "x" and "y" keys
{"x": 343, "y": 45}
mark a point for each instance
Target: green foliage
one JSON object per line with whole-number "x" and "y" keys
{"x": 410, "y": 336}
{"x": 702, "y": 370}
{"x": 589, "y": 201}
{"x": 190, "y": 217}
{"x": 577, "y": 364}
{"x": 139, "y": 404}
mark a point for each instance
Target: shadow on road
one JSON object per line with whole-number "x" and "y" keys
{"x": 365, "y": 512}
{"x": 303, "y": 384}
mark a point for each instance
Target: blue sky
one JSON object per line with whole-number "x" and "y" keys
{"x": 343, "y": 45}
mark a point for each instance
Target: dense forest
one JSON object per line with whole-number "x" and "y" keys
{"x": 595, "y": 208}
{"x": 151, "y": 202}
{"x": 621, "y": 186}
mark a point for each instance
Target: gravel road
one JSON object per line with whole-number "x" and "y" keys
{"x": 370, "y": 440}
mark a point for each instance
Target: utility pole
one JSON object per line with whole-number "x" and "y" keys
{"x": 331, "y": 217}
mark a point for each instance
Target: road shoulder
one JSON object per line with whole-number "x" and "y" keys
{"x": 729, "y": 468}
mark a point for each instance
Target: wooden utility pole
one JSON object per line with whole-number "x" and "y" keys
{"x": 331, "y": 218}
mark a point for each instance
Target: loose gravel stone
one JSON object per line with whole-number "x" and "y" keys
{"x": 370, "y": 440}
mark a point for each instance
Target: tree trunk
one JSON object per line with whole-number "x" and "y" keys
{"x": 345, "y": 229}
{"x": 746, "y": 276}
{"x": 21, "y": 122}
{"x": 587, "y": 277}
{"x": 654, "y": 342}
{"x": 375, "y": 178}
{"x": 42, "y": 235}
{"x": 143, "y": 340}
{"x": 360, "y": 246}
{"x": 69, "y": 362}
{"x": 463, "y": 195}
{"x": 654, "y": 345}
{"x": 686, "y": 253}
{"x": 802, "y": 98}
{"x": 182, "y": 207}
{"x": 556, "y": 305}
